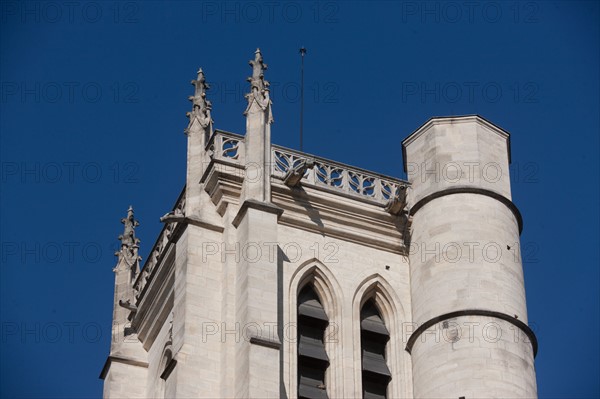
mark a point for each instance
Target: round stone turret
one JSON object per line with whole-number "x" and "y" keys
{"x": 468, "y": 298}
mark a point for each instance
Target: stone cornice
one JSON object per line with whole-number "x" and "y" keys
{"x": 357, "y": 218}
{"x": 350, "y": 219}
{"x": 253, "y": 204}
{"x": 149, "y": 275}
{"x": 118, "y": 359}
{"x": 196, "y": 221}
{"x": 163, "y": 231}
{"x": 157, "y": 301}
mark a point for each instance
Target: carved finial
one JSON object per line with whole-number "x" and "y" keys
{"x": 259, "y": 87}
{"x": 201, "y": 106}
{"x": 128, "y": 236}
{"x": 257, "y": 80}
{"x": 129, "y": 242}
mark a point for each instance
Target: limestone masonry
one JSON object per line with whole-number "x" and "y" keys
{"x": 280, "y": 274}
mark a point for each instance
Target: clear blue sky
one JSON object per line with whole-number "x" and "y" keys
{"x": 93, "y": 101}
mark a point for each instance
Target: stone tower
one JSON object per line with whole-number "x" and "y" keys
{"x": 283, "y": 274}
{"x": 466, "y": 273}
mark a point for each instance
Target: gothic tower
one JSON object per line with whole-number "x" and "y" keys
{"x": 280, "y": 274}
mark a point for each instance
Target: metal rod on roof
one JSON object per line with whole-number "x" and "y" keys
{"x": 302, "y": 53}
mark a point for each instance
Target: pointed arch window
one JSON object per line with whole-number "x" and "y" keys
{"x": 373, "y": 341}
{"x": 312, "y": 357}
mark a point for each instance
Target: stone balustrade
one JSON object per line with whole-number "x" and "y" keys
{"x": 226, "y": 146}
{"x": 337, "y": 177}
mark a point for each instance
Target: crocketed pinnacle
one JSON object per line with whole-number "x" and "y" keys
{"x": 129, "y": 242}
{"x": 201, "y": 107}
{"x": 259, "y": 87}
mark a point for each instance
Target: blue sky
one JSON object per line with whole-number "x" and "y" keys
{"x": 93, "y": 101}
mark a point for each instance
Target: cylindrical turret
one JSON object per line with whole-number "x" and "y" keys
{"x": 468, "y": 297}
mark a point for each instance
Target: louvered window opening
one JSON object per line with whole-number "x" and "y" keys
{"x": 373, "y": 340}
{"x": 312, "y": 358}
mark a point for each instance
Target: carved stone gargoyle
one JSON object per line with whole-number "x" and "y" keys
{"x": 294, "y": 175}
{"x": 176, "y": 215}
{"x": 397, "y": 201}
{"x": 127, "y": 305}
